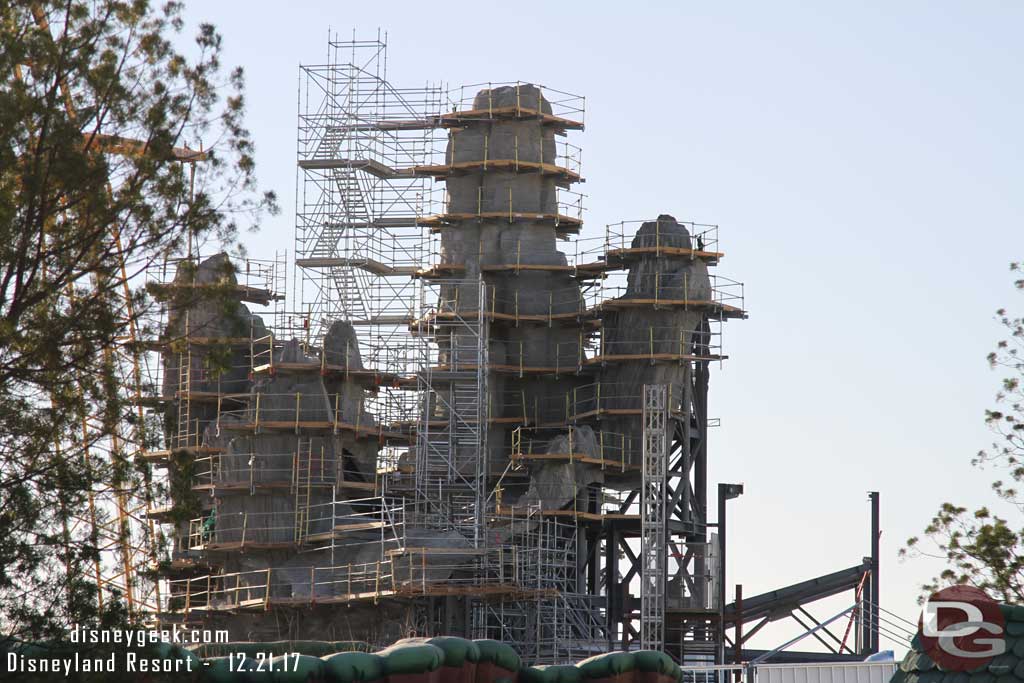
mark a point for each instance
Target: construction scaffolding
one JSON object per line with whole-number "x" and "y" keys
{"x": 652, "y": 517}
{"x": 451, "y": 426}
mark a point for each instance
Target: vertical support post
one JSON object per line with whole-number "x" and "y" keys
{"x": 720, "y": 598}
{"x": 483, "y": 415}
{"x": 738, "y": 622}
{"x": 872, "y": 601}
{"x": 337, "y": 413}
{"x": 611, "y": 582}
{"x": 726, "y": 492}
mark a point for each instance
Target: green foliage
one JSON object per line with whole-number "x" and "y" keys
{"x": 217, "y": 360}
{"x": 980, "y": 548}
{"x": 187, "y": 504}
{"x": 83, "y": 210}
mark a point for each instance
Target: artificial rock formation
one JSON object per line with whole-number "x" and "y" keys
{"x": 674, "y": 328}
{"x": 527, "y": 327}
{"x": 293, "y": 490}
{"x": 260, "y": 487}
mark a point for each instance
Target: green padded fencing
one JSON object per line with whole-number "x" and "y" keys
{"x": 353, "y": 667}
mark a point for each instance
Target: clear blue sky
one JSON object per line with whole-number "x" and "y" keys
{"x": 864, "y": 163}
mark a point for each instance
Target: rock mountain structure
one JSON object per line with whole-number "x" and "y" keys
{"x": 468, "y": 421}
{"x": 447, "y": 436}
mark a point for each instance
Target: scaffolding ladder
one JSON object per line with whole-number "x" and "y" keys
{"x": 652, "y": 517}
{"x": 302, "y": 481}
{"x": 183, "y": 398}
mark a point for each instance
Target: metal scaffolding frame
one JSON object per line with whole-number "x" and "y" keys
{"x": 453, "y": 423}
{"x": 359, "y": 214}
{"x": 652, "y": 517}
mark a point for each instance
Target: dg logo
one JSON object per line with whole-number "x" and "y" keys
{"x": 961, "y": 628}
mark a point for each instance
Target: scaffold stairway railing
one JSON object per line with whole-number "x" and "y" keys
{"x": 337, "y": 227}
{"x": 352, "y": 196}
{"x": 553, "y": 631}
{"x": 587, "y": 619}
{"x": 330, "y": 142}
{"x": 350, "y": 299}
{"x": 452, "y": 450}
{"x": 576, "y": 628}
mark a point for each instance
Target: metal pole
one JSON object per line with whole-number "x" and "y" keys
{"x": 611, "y": 568}
{"x": 875, "y": 599}
{"x": 726, "y": 492}
{"x": 720, "y": 657}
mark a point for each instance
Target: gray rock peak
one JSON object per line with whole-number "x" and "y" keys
{"x": 526, "y": 95}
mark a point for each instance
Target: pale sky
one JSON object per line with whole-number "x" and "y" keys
{"x": 863, "y": 162}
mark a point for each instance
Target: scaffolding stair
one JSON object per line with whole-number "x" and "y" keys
{"x": 350, "y": 298}
{"x": 354, "y": 213}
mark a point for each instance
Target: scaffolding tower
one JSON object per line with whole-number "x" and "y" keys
{"x": 652, "y": 517}
{"x": 360, "y": 208}
{"x": 360, "y": 237}
{"x": 453, "y": 425}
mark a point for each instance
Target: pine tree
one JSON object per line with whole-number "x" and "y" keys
{"x": 99, "y": 112}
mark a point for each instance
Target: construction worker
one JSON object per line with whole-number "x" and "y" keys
{"x": 208, "y": 525}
